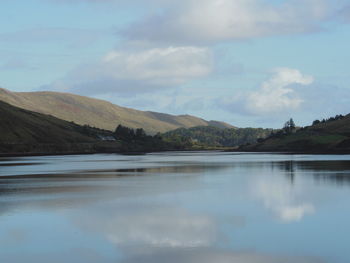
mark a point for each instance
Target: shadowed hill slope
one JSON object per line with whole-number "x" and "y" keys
{"x": 28, "y": 132}
{"x": 22, "y": 126}
{"x": 100, "y": 113}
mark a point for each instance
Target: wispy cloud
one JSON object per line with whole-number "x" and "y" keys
{"x": 125, "y": 71}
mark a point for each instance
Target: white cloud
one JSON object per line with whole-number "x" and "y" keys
{"x": 220, "y": 20}
{"x": 164, "y": 66}
{"x": 276, "y": 94}
{"x": 126, "y": 71}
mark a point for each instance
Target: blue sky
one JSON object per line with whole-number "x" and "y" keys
{"x": 247, "y": 62}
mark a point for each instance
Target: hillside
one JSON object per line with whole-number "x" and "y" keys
{"x": 217, "y": 137}
{"x": 332, "y": 135}
{"x": 28, "y": 132}
{"x": 99, "y": 113}
{"x": 19, "y": 125}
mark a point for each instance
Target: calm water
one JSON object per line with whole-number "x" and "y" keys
{"x": 175, "y": 207}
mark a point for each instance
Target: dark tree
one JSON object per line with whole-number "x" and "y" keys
{"x": 315, "y": 122}
{"x": 158, "y": 136}
{"x": 140, "y": 133}
{"x": 289, "y": 126}
{"x": 124, "y": 133}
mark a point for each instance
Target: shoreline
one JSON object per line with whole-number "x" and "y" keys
{"x": 29, "y": 154}
{"x": 34, "y": 154}
{"x": 315, "y": 152}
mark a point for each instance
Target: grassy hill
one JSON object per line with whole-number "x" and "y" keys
{"x": 99, "y": 113}
{"x": 217, "y": 137}
{"x": 19, "y": 125}
{"x": 331, "y": 135}
{"x": 26, "y": 131}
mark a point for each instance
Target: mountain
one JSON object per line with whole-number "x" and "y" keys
{"x": 99, "y": 113}
{"x": 327, "y": 136}
{"x": 22, "y": 126}
{"x": 28, "y": 132}
{"x": 217, "y": 137}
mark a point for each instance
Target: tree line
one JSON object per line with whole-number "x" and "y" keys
{"x": 337, "y": 117}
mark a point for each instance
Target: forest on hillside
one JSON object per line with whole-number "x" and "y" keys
{"x": 217, "y": 137}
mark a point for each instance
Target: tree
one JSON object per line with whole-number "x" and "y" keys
{"x": 289, "y": 126}
{"x": 140, "y": 133}
{"x": 158, "y": 136}
{"x": 124, "y": 133}
{"x": 315, "y": 122}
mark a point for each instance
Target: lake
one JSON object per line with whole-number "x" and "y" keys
{"x": 196, "y": 207}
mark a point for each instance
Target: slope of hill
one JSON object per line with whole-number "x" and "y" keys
{"x": 19, "y": 125}
{"x": 99, "y": 113}
{"x": 27, "y": 132}
{"x": 217, "y": 137}
{"x": 324, "y": 137}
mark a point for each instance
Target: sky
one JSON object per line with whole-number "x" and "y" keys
{"x": 251, "y": 63}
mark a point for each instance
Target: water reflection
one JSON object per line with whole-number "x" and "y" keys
{"x": 337, "y": 172}
{"x": 176, "y": 207}
{"x": 151, "y": 226}
{"x": 287, "y": 202}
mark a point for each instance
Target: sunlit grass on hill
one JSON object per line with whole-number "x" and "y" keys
{"x": 99, "y": 113}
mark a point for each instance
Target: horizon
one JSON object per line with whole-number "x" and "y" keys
{"x": 253, "y": 63}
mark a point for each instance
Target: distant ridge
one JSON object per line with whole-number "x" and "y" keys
{"x": 99, "y": 113}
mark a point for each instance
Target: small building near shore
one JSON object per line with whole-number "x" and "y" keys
{"x": 106, "y": 138}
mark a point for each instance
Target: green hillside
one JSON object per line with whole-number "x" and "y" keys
{"x": 217, "y": 137}
{"x": 332, "y": 135}
{"x": 98, "y": 113}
